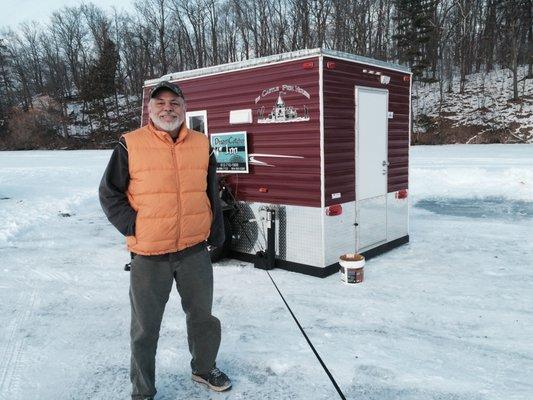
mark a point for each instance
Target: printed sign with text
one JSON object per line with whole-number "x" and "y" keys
{"x": 231, "y": 152}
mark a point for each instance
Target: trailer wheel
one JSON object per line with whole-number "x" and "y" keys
{"x": 218, "y": 253}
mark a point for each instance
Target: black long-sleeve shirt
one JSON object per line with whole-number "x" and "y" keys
{"x": 118, "y": 210}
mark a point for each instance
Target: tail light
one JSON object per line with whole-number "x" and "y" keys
{"x": 333, "y": 210}
{"x": 401, "y": 194}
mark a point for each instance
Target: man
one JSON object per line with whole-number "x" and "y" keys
{"x": 160, "y": 191}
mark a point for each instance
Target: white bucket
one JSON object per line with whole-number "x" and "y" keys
{"x": 352, "y": 268}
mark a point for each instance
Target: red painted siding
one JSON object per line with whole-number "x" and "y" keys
{"x": 291, "y": 181}
{"x": 339, "y": 126}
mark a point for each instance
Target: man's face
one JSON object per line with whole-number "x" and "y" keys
{"x": 167, "y": 110}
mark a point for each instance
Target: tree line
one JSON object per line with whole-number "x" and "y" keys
{"x": 100, "y": 60}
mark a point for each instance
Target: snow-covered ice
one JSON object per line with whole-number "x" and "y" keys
{"x": 448, "y": 316}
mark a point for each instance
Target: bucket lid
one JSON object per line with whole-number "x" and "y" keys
{"x": 352, "y": 257}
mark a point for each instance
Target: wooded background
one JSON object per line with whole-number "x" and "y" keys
{"x": 86, "y": 67}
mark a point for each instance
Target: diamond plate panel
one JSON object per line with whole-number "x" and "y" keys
{"x": 247, "y": 234}
{"x": 397, "y": 217}
{"x": 339, "y": 234}
{"x": 298, "y": 232}
{"x": 299, "y": 229}
{"x": 372, "y": 220}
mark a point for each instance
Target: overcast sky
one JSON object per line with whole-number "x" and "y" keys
{"x": 13, "y": 12}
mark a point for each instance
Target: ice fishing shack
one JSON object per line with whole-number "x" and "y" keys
{"x": 313, "y": 146}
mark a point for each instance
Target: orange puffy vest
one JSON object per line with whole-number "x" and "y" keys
{"x": 168, "y": 182}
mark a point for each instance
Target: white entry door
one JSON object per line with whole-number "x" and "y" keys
{"x": 371, "y": 120}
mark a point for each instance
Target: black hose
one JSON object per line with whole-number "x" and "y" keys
{"x": 339, "y": 391}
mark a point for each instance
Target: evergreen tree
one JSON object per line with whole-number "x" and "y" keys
{"x": 100, "y": 81}
{"x": 414, "y": 30}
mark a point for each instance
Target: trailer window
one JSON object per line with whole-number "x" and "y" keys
{"x": 197, "y": 120}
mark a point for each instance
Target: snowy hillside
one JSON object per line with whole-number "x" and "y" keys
{"x": 447, "y": 316}
{"x": 483, "y": 113}
{"x": 123, "y": 113}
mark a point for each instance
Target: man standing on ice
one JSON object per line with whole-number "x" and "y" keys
{"x": 160, "y": 191}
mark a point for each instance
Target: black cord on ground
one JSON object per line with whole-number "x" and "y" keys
{"x": 309, "y": 341}
{"x": 339, "y": 391}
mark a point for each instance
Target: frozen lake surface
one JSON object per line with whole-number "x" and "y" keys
{"x": 448, "y": 316}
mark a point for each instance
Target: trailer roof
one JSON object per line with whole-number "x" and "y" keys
{"x": 255, "y": 62}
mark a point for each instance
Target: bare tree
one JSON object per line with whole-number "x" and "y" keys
{"x": 31, "y": 46}
{"x": 514, "y": 17}
{"x": 301, "y": 25}
{"x": 67, "y": 25}
{"x": 156, "y": 14}
{"x": 529, "y": 26}
{"x": 67, "y": 59}
{"x": 320, "y": 13}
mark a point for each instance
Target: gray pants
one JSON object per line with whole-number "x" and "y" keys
{"x": 150, "y": 284}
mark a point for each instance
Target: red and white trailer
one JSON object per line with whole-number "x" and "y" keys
{"x": 327, "y": 137}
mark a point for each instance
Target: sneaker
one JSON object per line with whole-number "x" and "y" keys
{"x": 215, "y": 380}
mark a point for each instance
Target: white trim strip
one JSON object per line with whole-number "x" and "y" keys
{"x": 322, "y": 161}
{"x": 142, "y": 109}
{"x": 409, "y": 156}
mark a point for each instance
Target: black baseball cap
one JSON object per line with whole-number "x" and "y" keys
{"x": 167, "y": 86}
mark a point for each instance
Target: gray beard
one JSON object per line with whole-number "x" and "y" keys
{"x": 166, "y": 126}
